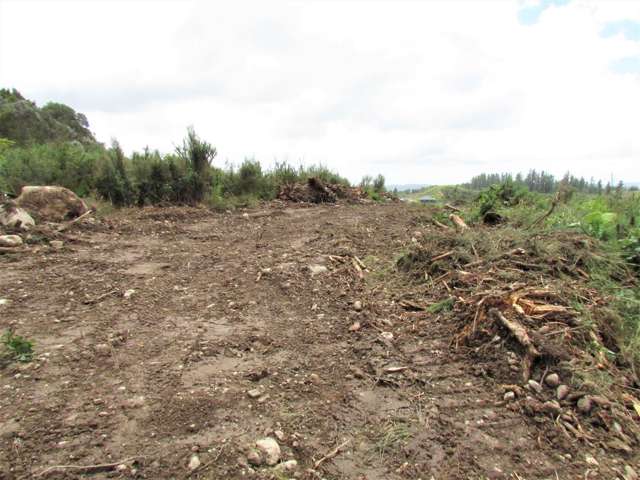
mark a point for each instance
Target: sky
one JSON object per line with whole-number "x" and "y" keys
{"x": 420, "y": 91}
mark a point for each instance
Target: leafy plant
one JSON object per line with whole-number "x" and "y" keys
{"x": 19, "y": 348}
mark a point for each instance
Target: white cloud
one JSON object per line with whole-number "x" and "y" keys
{"x": 420, "y": 91}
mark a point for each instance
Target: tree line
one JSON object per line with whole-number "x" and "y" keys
{"x": 543, "y": 182}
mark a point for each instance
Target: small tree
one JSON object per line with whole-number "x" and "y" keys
{"x": 198, "y": 156}
{"x": 378, "y": 184}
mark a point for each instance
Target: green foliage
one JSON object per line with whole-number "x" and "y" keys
{"x": 26, "y": 124}
{"x": 17, "y": 347}
{"x": 71, "y": 165}
{"x": 506, "y": 194}
{"x": 442, "y": 306}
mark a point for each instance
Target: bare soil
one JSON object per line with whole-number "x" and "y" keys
{"x": 151, "y": 326}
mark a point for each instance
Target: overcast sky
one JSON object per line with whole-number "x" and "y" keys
{"x": 421, "y": 91}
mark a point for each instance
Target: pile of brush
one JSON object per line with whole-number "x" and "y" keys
{"x": 525, "y": 300}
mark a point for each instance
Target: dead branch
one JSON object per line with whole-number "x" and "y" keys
{"x": 452, "y": 208}
{"x": 65, "y": 226}
{"x": 441, "y": 225}
{"x": 331, "y": 454}
{"x": 442, "y": 255}
{"x": 459, "y": 222}
{"x": 104, "y": 467}
{"x": 523, "y": 338}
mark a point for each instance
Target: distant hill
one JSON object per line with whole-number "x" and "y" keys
{"x": 406, "y": 187}
{"x": 23, "y": 122}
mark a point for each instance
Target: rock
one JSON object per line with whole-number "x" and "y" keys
{"x": 53, "y": 204}
{"x": 552, "y": 407}
{"x": 271, "y": 450}
{"x": 57, "y": 244}
{"x": 254, "y": 458}
{"x": 318, "y": 269}
{"x": 128, "y": 293}
{"x": 387, "y": 336}
{"x": 552, "y": 380}
{"x": 534, "y": 386}
{"x": 255, "y": 393}
{"x": 279, "y": 435}
{"x": 585, "y": 405}
{"x": 357, "y": 305}
{"x": 562, "y": 391}
{"x": 10, "y": 241}
{"x": 630, "y": 473}
{"x": 15, "y": 217}
{"x": 509, "y": 397}
{"x": 355, "y": 327}
{"x": 288, "y": 466}
{"x": 194, "y": 462}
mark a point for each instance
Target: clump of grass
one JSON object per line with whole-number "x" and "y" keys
{"x": 17, "y": 347}
{"x": 393, "y": 434}
{"x": 445, "y": 305}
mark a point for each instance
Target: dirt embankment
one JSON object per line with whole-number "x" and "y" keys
{"x": 170, "y": 341}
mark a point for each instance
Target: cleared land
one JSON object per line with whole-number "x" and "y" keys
{"x": 165, "y": 334}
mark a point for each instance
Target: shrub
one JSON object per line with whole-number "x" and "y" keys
{"x": 18, "y": 348}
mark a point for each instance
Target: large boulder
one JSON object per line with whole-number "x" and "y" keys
{"x": 15, "y": 217}
{"x": 53, "y": 204}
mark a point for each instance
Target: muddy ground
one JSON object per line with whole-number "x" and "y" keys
{"x": 152, "y": 326}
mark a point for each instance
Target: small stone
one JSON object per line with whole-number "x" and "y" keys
{"x": 585, "y": 405}
{"x": 255, "y": 393}
{"x": 194, "y": 462}
{"x": 128, "y": 293}
{"x": 357, "y": 305}
{"x": 355, "y": 327}
{"x": 122, "y": 468}
{"x": 103, "y": 349}
{"x": 271, "y": 450}
{"x": 279, "y": 435}
{"x": 630, "y": 473}
{"x": 103, "y": 414}
{"x": 254, "y": 458}
{"x": 509, "y": 397}
{"x": 10, "y": 241}
{"x": 387, "y": 336}
{"x": 57, "y": 244}
{"x": 318, "y": 269}
{"x": 562, "y": 391}
{"x": 314, "y": 378}
{"x": 288, "y": 466}
{"x": 535, "y": 386}
{"x": 552, "y": 380}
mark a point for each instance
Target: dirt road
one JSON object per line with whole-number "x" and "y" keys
{"x": 170, "y": 340}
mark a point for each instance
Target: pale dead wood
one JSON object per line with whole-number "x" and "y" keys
{"x": 523, "y": 338}
{"x": 441, "y": 225}
{"x": 103, "y": 467}
{"x": 452, "y": 208}
{"x": 65, "y": 226}
{"x": 331, "y": 454}
{"x": 443, "y": 255}
{"x": 459, "y": 222}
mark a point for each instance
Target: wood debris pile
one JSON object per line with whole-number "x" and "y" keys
{"x": 524, "y": 305}
{"x": 317, "y": 191}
